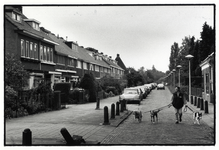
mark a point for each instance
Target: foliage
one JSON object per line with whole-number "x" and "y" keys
{"x": 15, "y": 75}
{"x": 134, "y": 78}
{"x": 88, "y": 82}
{"x": 10, "y": 97}
{"x": 114, "y": 85}
{"x": 64, "y": 88}
{"x": 200, "y": 49}
{"x": 141, "y": 77}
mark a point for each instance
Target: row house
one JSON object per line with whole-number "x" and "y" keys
{"x": 208, "y": 78}
{"x": 49, "y": 57}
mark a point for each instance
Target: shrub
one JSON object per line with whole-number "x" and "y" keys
{"x": 88, "y": 83}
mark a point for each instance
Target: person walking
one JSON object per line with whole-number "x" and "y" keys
{"x": 178, "y": 102}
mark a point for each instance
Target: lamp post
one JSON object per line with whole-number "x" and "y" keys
{"x": 179, "y": 66}
{"x": 189, "y": 57}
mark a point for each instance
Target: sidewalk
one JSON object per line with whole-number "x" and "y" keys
{"x": 207, "y": 118}
{"x": 78, "y": 119}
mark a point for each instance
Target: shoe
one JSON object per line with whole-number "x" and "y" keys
{"x": 180, "y": 119}
{"x": 177, "y": 122}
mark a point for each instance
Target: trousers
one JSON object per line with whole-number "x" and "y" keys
{"x": 178, "y": 113}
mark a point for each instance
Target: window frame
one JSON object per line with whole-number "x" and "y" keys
{"x": 22, "y": 48}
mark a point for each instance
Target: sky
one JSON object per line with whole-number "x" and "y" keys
{"x": 142, "y": 35}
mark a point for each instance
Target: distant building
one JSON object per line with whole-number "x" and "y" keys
{"x": 208, "y": 78}
{"x": 121, "y": 64}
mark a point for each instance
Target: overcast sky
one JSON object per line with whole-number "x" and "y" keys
{"x": 142, "y": 35}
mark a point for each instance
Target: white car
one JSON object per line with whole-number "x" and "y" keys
{"x": 131, "y": 95}
{"x": 160, "y": 86}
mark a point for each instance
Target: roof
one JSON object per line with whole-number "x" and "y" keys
{"x": 120, "y": 62}
{"x": 112, "y": 64}
{"x": 207, "y": 60}
{"x": 26, "y": 28}
{"x": 79, "y": 53}
{"x": 62, "y": 48}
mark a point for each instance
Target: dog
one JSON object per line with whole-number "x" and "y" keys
{"x": 197, "y": 116}
{"x": 138, "y": 116}
{"x": 154, "y": 114}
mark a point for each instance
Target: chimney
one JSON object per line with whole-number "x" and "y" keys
{"x": 117, "y": 55}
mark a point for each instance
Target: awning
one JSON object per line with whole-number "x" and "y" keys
{"x": 54, "y": 72}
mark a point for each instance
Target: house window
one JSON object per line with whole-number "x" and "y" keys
{"x": 78, "y": 64}
{"x": 51, "y": 54}
{"x": 35, "y": 51}
{"x": 91, "y": 67}
{"x": 207, "y": 83}
{"x": 97, "y": 68}
{"x": 41, "y": 52}
{"x": 35, "y": 25}
{"x": 31, "y": 50}
{"x": 16, "y": 16}
{"x": 44, "y": 52}
{"x": 27, "y": 53}
{"x": 61, "y": 59}
{"x": 105, "y": 70}
{"x": 48, "y": 54}
{"x": 101, "y": 69}
{"x": 71, "y": 62}
{"x": 85, "y": 65}
{"x": 22, "y": 48}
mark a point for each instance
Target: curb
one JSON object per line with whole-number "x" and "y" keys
{"x": 116, "y": 122}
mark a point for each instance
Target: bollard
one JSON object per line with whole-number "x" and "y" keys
{"x": 112, "y": 111}
{"x": 195, "y": 103}
{"x": 67, "y": 136}
{"x": 206, "y": 107}
{"x": 122, "y": 106}
{"x": 191, "y": 99}
{"x": 27, "y": 137}
{"x": 198, "y": 105}
{"x": 202, "y": 104}
{"x": 106, "y": 116}
{"x": 98, "y": 103}
{"x": 117, "y": 108}
{"x": 125, "y": 104}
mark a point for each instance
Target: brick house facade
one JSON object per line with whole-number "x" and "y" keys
{"x": 51, "y": 58}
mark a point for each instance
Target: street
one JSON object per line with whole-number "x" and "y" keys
{"x": 165, "y": 131}
{"x": 84, "y": 120}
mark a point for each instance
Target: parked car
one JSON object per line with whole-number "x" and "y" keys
{"x": 160, "y": 86}
{"x": 144, "y": 91}
{"x": 131, "y": 95}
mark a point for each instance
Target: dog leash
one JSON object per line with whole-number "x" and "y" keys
{"x": 185, "y": 109}
{"x": 161, "y": 108}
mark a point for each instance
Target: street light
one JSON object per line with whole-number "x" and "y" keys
{"x": 179, "y": 66}
{"x": 189, "y": 57}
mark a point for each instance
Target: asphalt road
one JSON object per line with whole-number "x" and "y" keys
{"x": 163, "y": 132}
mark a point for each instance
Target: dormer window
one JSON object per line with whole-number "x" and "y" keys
{"x": 16, "y": 16}
{"x": 34, "y": 23}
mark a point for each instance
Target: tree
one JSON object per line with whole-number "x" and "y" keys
{"x": 207, "y": 42}
{"x": 134, "y": 78}
{"x": 174, "y": 56}
{"x": 88, "y": 82}
{"x": 15, "y": 74}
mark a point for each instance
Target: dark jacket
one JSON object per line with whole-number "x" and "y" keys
{"x": 177, "y": 100}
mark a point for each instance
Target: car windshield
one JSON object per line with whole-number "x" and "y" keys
{"x": 130, "y": 91}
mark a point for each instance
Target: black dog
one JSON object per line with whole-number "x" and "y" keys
{"x": 154, "y": 113}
